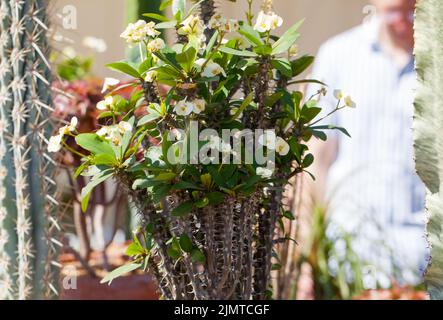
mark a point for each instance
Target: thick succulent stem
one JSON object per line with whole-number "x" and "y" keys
{"x": 207, "y": 11}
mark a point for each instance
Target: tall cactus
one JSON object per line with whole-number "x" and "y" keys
{"x": 428, "y": 123}
{"x": 27, "y": 206}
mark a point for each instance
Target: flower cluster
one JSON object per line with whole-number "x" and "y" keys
{"x": 192, "y": 27}
{"x": 185, "y": 108}
{"x": 55, "y": 142}
{"x": 221, "y": 24}
{"x": 139, "y": 31}
{"x": 267, "y": 21}
{"x": 272, "y": 142}
{"x": 340, "y": 95}
{"x": 114, "y": 133}
{"x": 209, "y": 68}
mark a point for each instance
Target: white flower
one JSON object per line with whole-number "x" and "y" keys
{"x": 151, "y": 76}
{"x": 155, "y": 45}
{"x": 193, "y": 27}
{"x": 281, "y": 146}
{"x": 224, "y": 25}
{"x": 338, "y": 94}
{"x": 183, "y": 108}
{"x": 106, "y": 104}
{"x": 96, "y": 44}
{"x": 124, "y": 127}
{"x": 211, "y": 70}
{"x": 265, "y": 173}
{"x": 268, "y": 139}
{"x": 150, "y": 29}
{"x": 349, "y": 102}
{"x": 103, "y": 131}
{"x": 234, "y": 24}
{"x": 267, "y": 21}
{"x": 68, "y": 128}
{"x": 216, "y": 21}
{"x": 55, "y": 143}
{"x": 109, "y": 83}
{"x": 199, "y": 105}
{"x": 137, "y": 32}
{"x": 276, "y": 21}
{"x": 114, "y": 133}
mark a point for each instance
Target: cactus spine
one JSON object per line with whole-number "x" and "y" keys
{"x": 428, "y": 123}
{"x": 27, "y": 207}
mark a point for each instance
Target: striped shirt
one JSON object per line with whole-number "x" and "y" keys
{"x": 372, "y": 187}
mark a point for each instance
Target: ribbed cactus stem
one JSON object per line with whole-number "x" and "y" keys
{"x": 25, "y": 99}
{"x": 428, "y": 124}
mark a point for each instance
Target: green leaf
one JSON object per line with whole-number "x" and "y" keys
{"x": 215, "y": 198}
{"x": 186, "y": 243}
{"x": 167, "y": 176}
{"x": 320, "y": 135}
{"x": 187, "y": 59}
{"x": 144, "y": 183}
{"x": 105, "y": 159}
{"x": 120, "y": 271}
{"x": 244, "y": 104}
{"x": 271, "y": 100}
{"x": 301, "y": 64}
{"x": 93, "y": 143}
{"x": 308, "y": 161}
{"x": 81, "y": 168}
{"x": 287, "y": 39}
{"x": 241, "y": 53}
{"x": 251, "y": 35}
{"x": 156, "y": 16}
{"x": 288, "y": 215}
{"x": 159, "y": 192}
{"x": 95, "y": 181}
{"x": 284, "y": 66}
{"x": 166, "y": 25}
{"x": 275, "y": 266}
{"x": 178, "y": 8}
{"x": 263, "y": 50}
{"x": 173, "y": 252}
{"x": 211, "y": 44}
{"x": 331, "y": 127}
{"x": 198, "y": 256}
{"x": 184, "y": 185}
{"x": 152, "y": 116}
{"x": 201, "y": 203}
{"x": 134, "y": 249}
{"x": 183, "y": 209}
{"x": 165, "y": 4}
{"x": 125, "y": 68}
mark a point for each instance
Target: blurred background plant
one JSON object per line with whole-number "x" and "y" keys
{"x": 77, "y": 91}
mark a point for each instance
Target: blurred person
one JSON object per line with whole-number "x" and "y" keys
{"x": 369, "y": 180}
